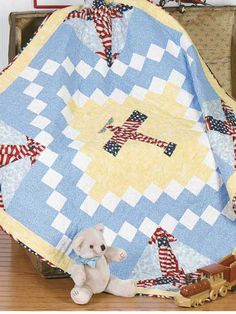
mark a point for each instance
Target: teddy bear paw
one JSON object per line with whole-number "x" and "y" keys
{"x": 123, "y": 255}
{"x": 131, "y": 288}
{"x": 80, "y": 295}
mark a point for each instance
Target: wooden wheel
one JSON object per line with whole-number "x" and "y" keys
{"x": 195, "y": 303}
{"x": 201, "y": 302}
{"x": 182, "y": 8}
{"x": 213, "y": 295}
{"x": 162, "y": 3}
{"x": 223, "y": 291}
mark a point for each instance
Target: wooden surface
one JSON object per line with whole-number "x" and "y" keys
{"x": 21, "y": 288}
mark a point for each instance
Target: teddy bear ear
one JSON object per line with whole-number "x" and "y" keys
{"x": 99, "y": 227}
{"x": 77, "y": 242}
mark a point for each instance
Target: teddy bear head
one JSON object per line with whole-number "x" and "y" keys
{"x": 90, "y": 242}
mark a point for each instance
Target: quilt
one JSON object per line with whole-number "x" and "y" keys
{"x": 110, "y": 116}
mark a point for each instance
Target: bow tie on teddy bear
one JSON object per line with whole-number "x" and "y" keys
{"x": 86, "y": 261}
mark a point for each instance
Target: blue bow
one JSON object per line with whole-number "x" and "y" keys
{"x": 86, "y": 261}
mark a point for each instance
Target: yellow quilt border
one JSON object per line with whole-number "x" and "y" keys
{"x": 8, "y": 223}
{"x": 33, "y": 241}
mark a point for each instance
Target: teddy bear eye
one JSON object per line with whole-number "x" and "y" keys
{"x": 91, "y": 246}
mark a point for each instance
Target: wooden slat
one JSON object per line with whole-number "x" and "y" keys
{"x": 21, "y": 288}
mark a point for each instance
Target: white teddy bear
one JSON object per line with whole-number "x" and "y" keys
{"x": 91, "y": 272}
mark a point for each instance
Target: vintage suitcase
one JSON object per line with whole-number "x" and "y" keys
{"x": 212, "y": 29}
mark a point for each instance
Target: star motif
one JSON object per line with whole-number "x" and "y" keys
{"x": 102, "y": 14}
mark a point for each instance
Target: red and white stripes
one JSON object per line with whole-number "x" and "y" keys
{"x": 10, "y": 153}
{"x": 160, "y": 233}
{"x": 230, "y": 125}
{"x": 102, "y": 16}
{"x": 128, "y": 132}
{"x": 168, "y": 262}
{"x": 147, "y": 283}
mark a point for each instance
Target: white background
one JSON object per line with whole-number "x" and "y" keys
{"x": 7, "y": 6}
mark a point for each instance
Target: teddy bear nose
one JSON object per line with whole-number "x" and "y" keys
{"x": 103, "y": 247}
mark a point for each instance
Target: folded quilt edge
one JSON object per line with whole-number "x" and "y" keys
{"x": 34, "y": 242}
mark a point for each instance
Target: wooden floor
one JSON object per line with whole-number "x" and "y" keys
{"x": 21, "y": 288}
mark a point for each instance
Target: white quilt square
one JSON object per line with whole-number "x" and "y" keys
{"x": 189, "y": 219}
{"x": 29, "y": 74}
{"x": 148, "y": 227}
{"x": 64, "y": 94}
{"x": 37, "y": 106}
{"x": 109, "y": 235}
{"x": 137, "y": 62}
{"x": 52, "y": 178}
{"x": 119, "y": 68}
{"x": 174, "y": 189}
{"x": 127, "y": 231}
{"x": 131, "y": 196}
{"x": 153, "y": 192}
{"x": 176, "y": 78}
{"x": 68, "y": 66}
{"x": 33, "y": 90}
{"x": 118, "y": 96}
{"x": 61, "y": 223}
{"x": 102, "y": 67}
{"x": 157, "y": 85}
{"x": 44, "y": 138}
{"x": 210, "y": 215}
{"x": 155, "y": 53}
{"x": 70, "y": 132}
{"x": 168, "y": 223}
{"x": 40, "y": 122}
{"x": 50, "y": 67}
{"x": 85, "y": 183}
{"x": 56, "y": 200}
{"x": 173, "y": 49}
{"x": 89, "y": 206}
{"x": 48, "y": 157}
{"x": 83, "y": 69}
{"x": 110, "y": 201}
{"x": 195, "y": 185}
{"x": 81, "y": 161}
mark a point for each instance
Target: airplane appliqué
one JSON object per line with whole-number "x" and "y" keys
{"x": 128, "y": 131}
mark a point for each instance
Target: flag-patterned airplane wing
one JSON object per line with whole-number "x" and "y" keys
{"x": 123, "y": 133}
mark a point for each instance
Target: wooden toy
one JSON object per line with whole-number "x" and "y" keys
{"x": 182, "y": 7}
{"x": 216, "y": 280}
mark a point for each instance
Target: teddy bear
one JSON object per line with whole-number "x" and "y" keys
{"x": 91, "y": 273}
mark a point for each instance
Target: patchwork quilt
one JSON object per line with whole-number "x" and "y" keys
{"x": 110, "y": 116}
